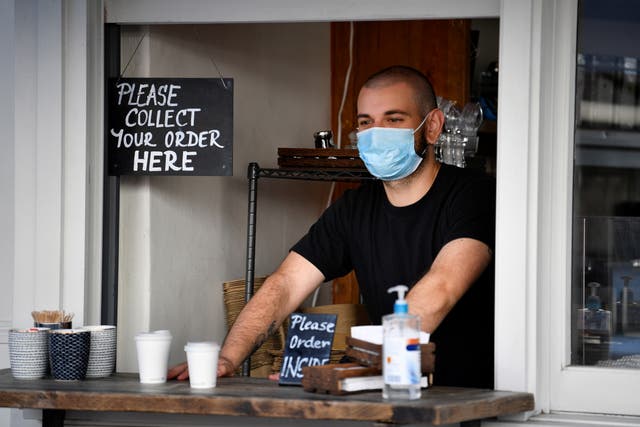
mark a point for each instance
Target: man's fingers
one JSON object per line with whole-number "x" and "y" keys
{"x": 180, "y": 372}
{"x": 184, "y": 375}
{"x": 225, "y": 367}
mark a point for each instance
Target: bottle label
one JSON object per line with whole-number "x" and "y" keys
{"x": 401, "y": 365}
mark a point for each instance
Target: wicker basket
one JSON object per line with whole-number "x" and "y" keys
{"x": 234, "y": 302}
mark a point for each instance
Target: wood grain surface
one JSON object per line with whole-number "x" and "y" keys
{"x": 242, "y": 396}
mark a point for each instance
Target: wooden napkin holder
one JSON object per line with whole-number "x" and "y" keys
{"x": 329, "y": 378}
{"x": 365, "y": 370}
{"x": 369, "y": 354}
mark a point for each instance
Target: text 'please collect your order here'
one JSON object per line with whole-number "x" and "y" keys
{"x": 154, "y": 106}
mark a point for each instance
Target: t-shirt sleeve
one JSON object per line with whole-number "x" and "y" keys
{"x": 472, "y": 212}
{"x": 326, "y": 243}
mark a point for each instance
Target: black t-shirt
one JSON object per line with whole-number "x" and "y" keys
{"x": 388, "y": 245}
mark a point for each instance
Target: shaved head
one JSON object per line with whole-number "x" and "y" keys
{"x": 424, "y": 96}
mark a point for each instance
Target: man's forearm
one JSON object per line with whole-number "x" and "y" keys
{"x": 455, "y": 269}
{"x": 281, "y": 293}
{"x": 255, "y": 323}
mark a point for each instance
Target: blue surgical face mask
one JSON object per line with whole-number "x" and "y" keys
{"x": 389, "y": 153}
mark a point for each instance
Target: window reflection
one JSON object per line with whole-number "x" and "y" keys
{"x": 606, "y": 199}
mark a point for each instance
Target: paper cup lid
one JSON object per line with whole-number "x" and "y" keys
{"x": 154, "y": 335}
{"x": 201, "y": 346}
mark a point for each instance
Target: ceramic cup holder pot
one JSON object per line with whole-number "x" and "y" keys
{"x": 69, "y": 353}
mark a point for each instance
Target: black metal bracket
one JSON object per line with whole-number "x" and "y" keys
{"x": 53, "y": 417}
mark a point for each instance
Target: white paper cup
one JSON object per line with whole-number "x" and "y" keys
{"x": 202, "y": 358}
{"x": 153, "y": 356}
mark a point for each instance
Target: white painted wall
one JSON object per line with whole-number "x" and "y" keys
{"x": 7, "y": 113}
{"x": 182, "y": 237}
{"x": 54, "y": 145}
{"x": 50, "y": 86}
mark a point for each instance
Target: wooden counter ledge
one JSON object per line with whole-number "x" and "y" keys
{"x": 242, "y": 396}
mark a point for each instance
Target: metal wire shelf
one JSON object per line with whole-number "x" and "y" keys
{"x": 254, "y": 172}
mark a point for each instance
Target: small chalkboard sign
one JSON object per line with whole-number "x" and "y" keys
{"x": 309, "y": 342}
{"x": 170, "y": 126}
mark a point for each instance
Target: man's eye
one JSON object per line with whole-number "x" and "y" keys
{"x": 394, "y": 119}
{"x": 362, "y": 123}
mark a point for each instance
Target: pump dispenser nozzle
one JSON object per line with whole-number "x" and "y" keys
{"x": 400, "y": 305}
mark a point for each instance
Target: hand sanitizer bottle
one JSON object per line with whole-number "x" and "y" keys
{"x": 401, "y": 368}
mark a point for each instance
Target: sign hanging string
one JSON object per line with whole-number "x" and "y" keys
{"x": 197, "y": 33}
{"x": 132, "y": 56}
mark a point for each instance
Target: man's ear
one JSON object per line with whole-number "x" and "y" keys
{"x": 433, "y": 126}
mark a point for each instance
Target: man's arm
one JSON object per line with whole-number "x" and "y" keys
{"x": 279, "y": 295}
{"x": 458, "y": 264}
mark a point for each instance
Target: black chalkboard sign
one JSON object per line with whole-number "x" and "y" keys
{"x": 170, "y": 126}
{"x": 309, "y": 342}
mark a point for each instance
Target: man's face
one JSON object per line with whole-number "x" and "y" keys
{"x": 389, "y": 106}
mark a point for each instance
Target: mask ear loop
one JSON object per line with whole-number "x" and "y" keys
{"x": 421, "y": 123}
{"x": 426, "y": 145}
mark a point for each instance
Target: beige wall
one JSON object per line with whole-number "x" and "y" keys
{"x": 181, "y": 237}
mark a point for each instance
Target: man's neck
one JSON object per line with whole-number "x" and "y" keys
{"x": 407, "y": 191}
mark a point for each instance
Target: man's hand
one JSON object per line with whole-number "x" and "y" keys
{"x": 225, "y": 367}
{"x": 179, "y": 372}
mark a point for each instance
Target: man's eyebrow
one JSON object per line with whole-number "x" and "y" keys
{"x": 386, "y": 113}
{"x": 392, "y": 112}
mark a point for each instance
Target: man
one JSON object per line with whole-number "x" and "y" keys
{"x": 426, "y": 225}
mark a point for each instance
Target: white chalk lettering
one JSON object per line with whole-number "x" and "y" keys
{"x": 171, "y": 161}
{"x": 172, "y": 94}
{"x": 143, "y": 94}
{"x": 204, "y": 139}
{"x": 186, "y": 160}
{"x": 301, "y": 323}
{"x": 158, "y": 161}
{"x": 185, "y": 112}
{"x": 161, "y": 118}
{"x": 292, "y": 366}
{"x": 141, "y": 89}
{"x": 154, "y": 161}
{"x": 215, "y": 134}
{"x": 297, "y": 342}
{"x": 140, "y": 163}
{"x": 137, "y": 139}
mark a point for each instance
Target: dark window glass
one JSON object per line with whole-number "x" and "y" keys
{"x": 606, "y": 192}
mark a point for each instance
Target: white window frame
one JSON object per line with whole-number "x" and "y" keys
{"x": 534, "y": 175}
{"x": 534, "y": 217}
{"x": 571, "y": 388}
